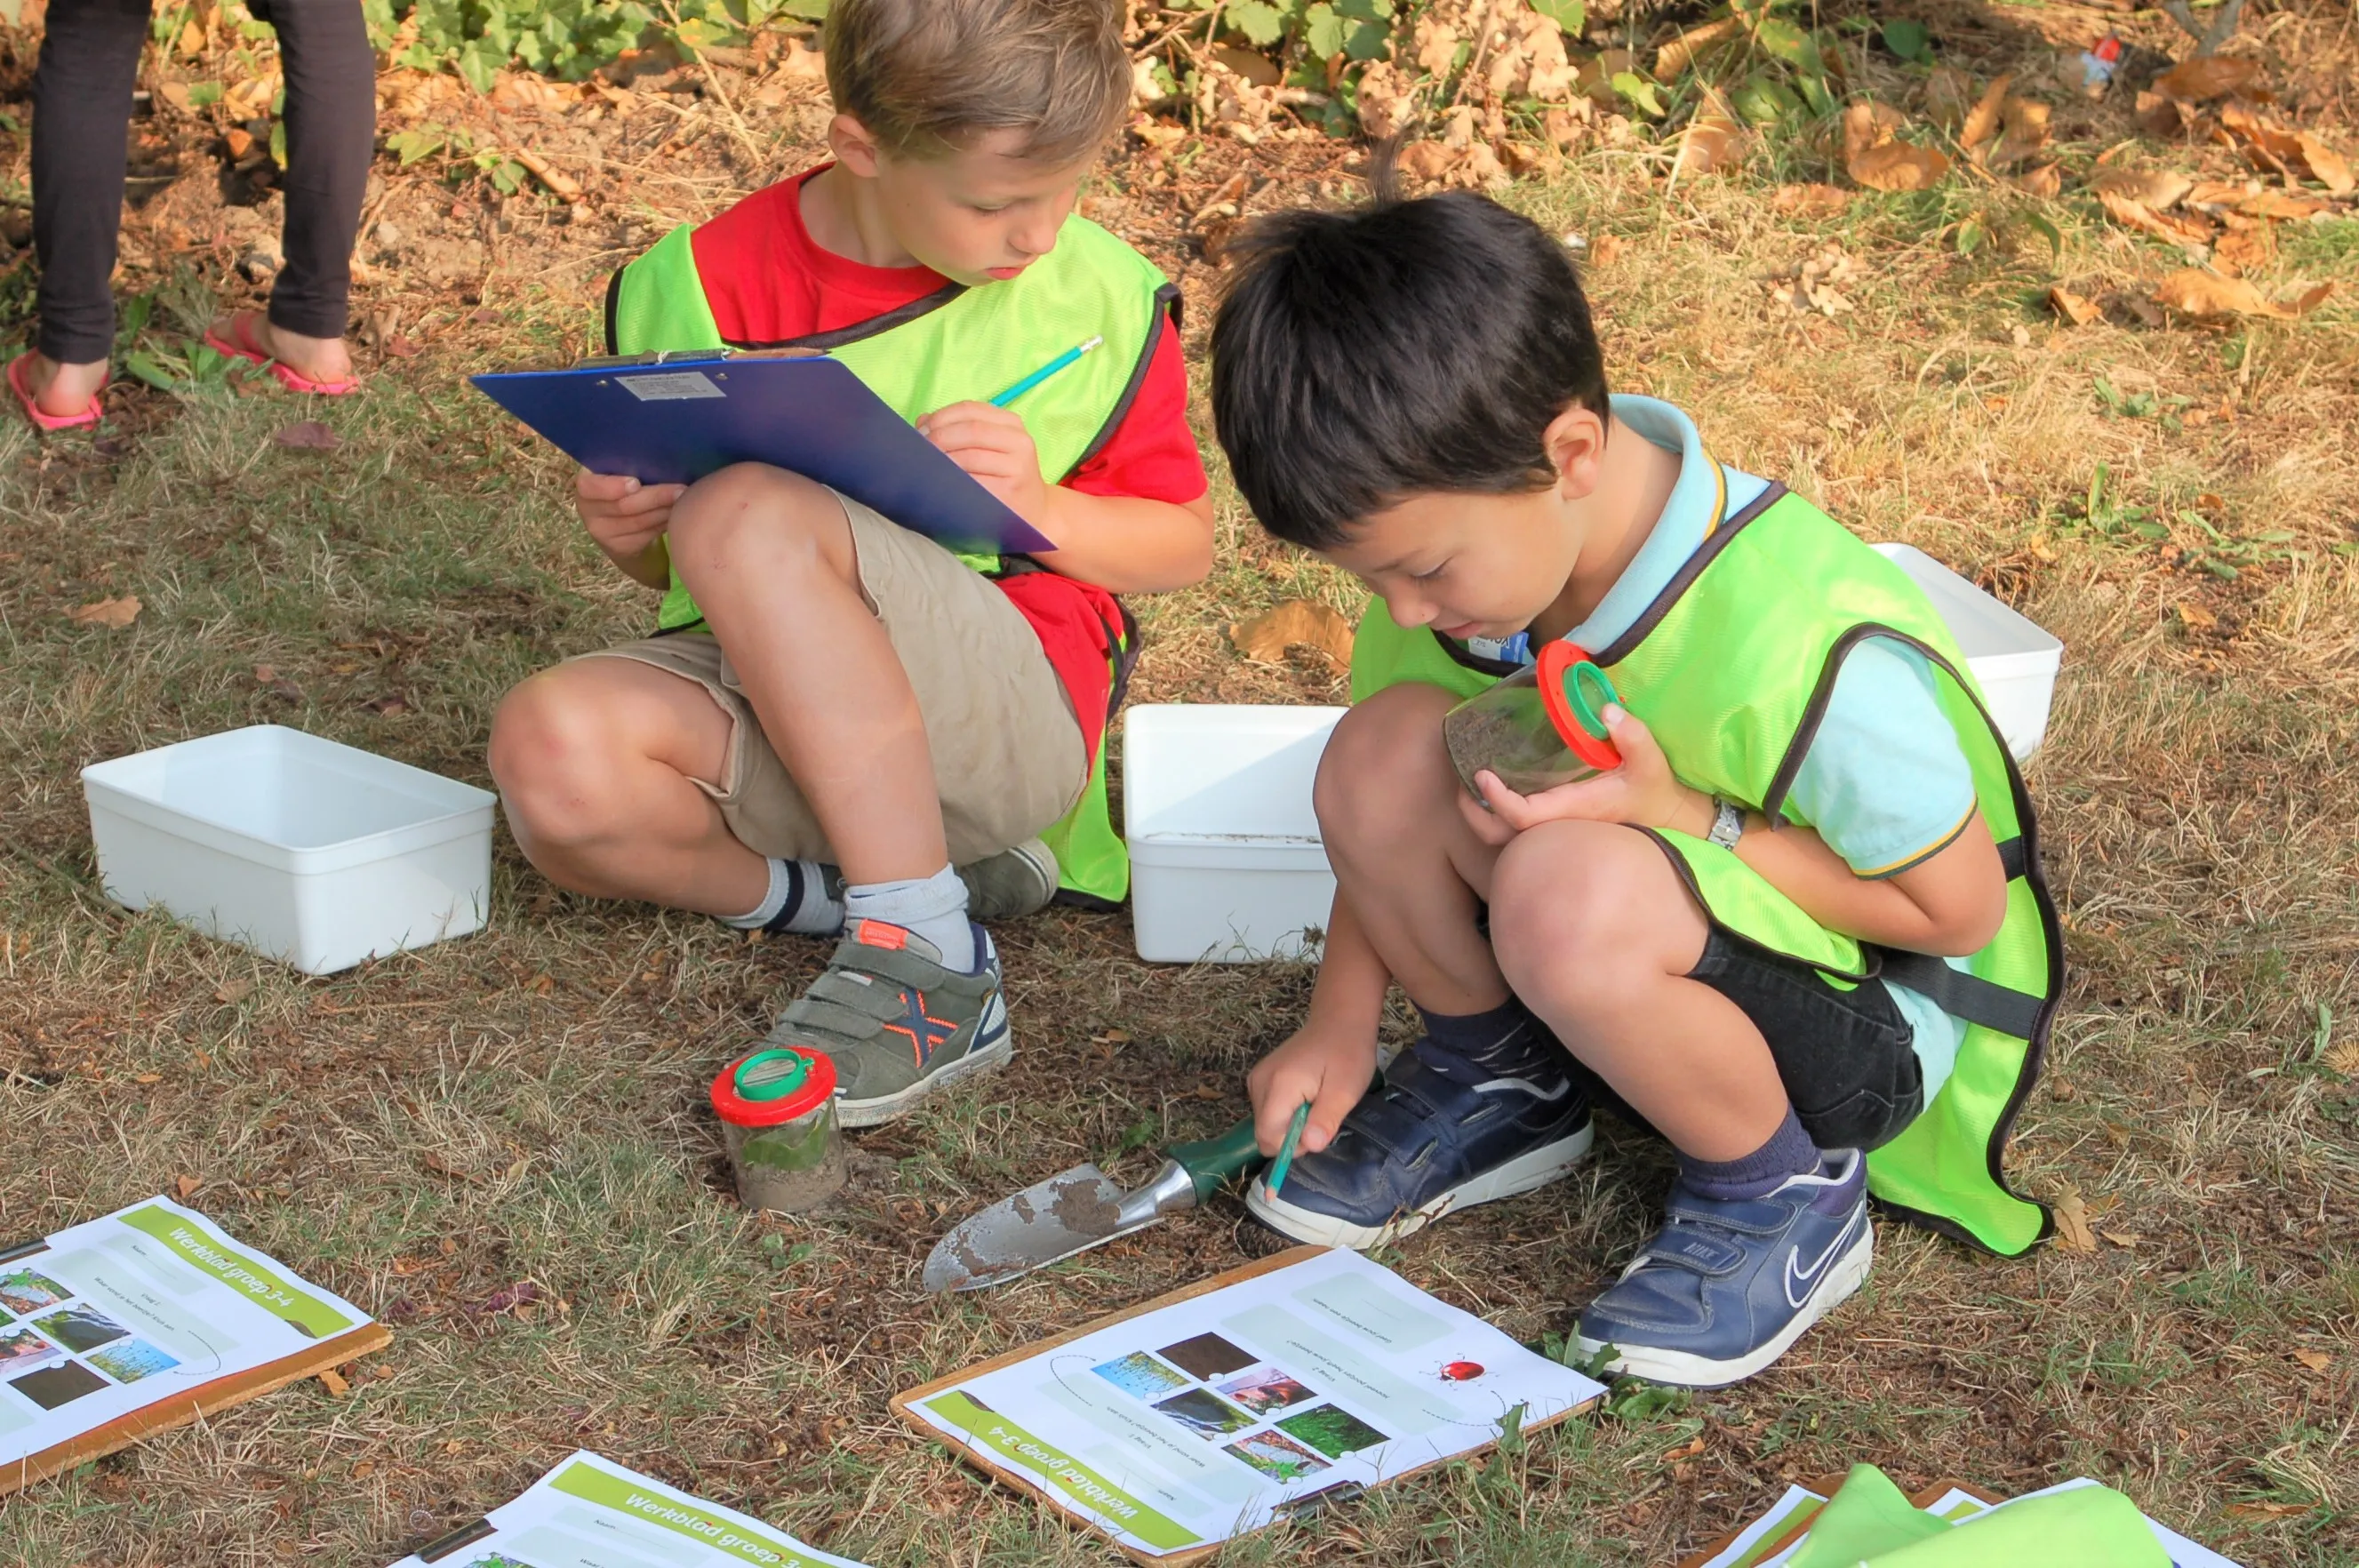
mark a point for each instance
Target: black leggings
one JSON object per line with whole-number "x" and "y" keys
{"x": 81, "y": 112}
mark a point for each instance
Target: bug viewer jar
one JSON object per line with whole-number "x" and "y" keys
{"x": 777, "y": 1116}
{"x": 1542, "y": 727}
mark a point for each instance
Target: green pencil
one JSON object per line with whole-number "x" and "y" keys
{"x": 1285, "y": 1160}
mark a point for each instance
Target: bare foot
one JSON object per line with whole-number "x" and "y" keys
{"x": 320, "y": 359}
{"x": 63, "y": 390}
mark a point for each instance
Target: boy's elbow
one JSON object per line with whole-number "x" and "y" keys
{"x": 1974, "y": 926}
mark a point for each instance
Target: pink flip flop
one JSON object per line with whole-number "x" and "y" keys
{"x": 294, "y": 380}
{"x": 53, "y": 423}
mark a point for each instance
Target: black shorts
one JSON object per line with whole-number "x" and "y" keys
{"x": 1847, "y": 1057}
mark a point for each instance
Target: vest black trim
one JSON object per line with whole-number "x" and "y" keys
{"x": 1969, "y": 996}
{"x": 1167, "y": 302}
{"x": 901, "y": 315}
{"x": 614, "y": 302}
{"x": 1621, "y": 648}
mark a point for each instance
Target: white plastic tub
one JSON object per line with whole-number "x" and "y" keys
{"x": 306, "y": 851}
{"x": 1227, "y": 863}
{"x": 2013, "y": 659}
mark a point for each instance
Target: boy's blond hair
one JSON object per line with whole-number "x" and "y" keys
{"x": 926, "y": 77}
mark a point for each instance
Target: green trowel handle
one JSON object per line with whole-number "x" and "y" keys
{"x": 1211, "y": 1163}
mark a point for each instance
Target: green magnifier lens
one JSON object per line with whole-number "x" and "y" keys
{"x": 1590, "y": 691}
{"x": 771, "y": 1074}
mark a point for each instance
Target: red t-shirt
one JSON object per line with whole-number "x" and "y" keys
{"x": 767, "y": 283}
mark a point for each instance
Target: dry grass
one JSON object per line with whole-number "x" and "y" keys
{"x": 525, "y": 1105}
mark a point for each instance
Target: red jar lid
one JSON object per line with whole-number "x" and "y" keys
{"x": 1575, "y": 691}
{"x": 776, "y": 1084}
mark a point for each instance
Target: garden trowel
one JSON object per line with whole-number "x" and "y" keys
{"x": 1080, "y": 1209}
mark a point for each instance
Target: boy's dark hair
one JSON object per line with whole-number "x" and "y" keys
{"x": 1393, "y": 349}
{"x": 926, "y": 77}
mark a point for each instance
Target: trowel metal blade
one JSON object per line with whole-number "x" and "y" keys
{"x": 1068, "y": 1212}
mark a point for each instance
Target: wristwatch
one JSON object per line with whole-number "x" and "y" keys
{"x": 1727, "y": 822}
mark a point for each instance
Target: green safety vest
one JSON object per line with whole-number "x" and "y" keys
{"x": 960, "y": 345}
{"x": 1731, "y": 667}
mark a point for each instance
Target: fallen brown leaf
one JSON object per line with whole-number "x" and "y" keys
{"x": 116, "y": 612}
{"x": 2048, "y": 179}
{"x": 1948, "y": 94}
{"x": 240, "y": 143}
{"x": 2073, "y": 307}
{"x": 1982, "y": 118}
{"x": 308, "y": 435}
{"x": 1674, "y": 56}
{"x": 2072, "y": 1232}
{"x": 2243, "y": 250}
{"x": 2277, "y": 204}
{"x": 2206, "y": 77}
{"x": 1811, "y": 199}
{"x": 1714, "y": 139}
{"x": 1298, "y": 622}
{"x": 2328, "y": 167}
{"x": 233, "y": 991}
{"x": 2316, "y": 1360}
{"x": 185, "y": 1187}
{"x": 2122, "y": 1238}
{"x": 1899, "y": 166}
{"x": 2027, "y": 130}
{"x": 2159, "y": 115}
{"x": 2265, "y": 143}
{"x": 1605, "y": 249}
{"x": 434, "y": 1160}
{"x": 2266, "y": 1510}
{"x": 1869, "y": 124}
{"x": 2196, "y": 618}
{"x": 333, "y": 1381}
{"x": 2179, "y": 230}
{"x": 2192, "y": 291}
{"x": 2157, "y": 189}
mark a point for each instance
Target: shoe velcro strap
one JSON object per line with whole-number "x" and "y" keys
{"x": 1397, "y": 1131}
{"x": 896, "y": 966}
{"x": 1743, "y": 1218}
{"x": 820, "y": 1013}
{"x": 1696, "y": 1251}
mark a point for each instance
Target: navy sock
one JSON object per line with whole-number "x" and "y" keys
{"x": 1788, "y": 1153}
{"x": 1506, "y": 1036}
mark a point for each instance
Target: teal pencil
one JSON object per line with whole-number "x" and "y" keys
{"x": 1285, "y": 1160}
{"x": 1045, "y": 371}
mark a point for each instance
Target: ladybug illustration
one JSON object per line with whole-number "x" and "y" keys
{"x": 1462, "y": 1371}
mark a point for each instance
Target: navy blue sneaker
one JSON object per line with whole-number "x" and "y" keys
{"x": 1442, "y": 1131}
{"x": 1726, "y": 1286}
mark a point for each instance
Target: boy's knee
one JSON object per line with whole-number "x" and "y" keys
{"x": 748, "y": 511}
{"x": 1380, "y": 777}
{"x": 1570, "y": 888}
{"x": 552, "y": 753}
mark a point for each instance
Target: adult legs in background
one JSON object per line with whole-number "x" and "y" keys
{"x": 330, "y": 72}
{"x": 81, "y": 116}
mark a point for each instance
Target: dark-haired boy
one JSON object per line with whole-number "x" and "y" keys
{"x": 1741, "y": 929}
{"x": 837, "y": 711}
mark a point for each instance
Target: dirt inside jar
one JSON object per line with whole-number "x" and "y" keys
{"x": 797, "y": 1166}
{"x": 1527, "y": 755}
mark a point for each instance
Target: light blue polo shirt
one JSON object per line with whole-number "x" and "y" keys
{"x": 1885, "y": 781}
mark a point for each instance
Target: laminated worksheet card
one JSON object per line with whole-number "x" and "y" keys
{"x": 1217, "y": 1410}
{"x": 590, "y": 1512}
{"x": 142, "y": 1319}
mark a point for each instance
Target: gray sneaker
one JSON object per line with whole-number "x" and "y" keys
{"x": 898, "y": 1023}
{"x": 1015, "y": 882}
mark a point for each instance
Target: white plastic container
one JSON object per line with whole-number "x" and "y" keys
{"x": 2013, "y": 659}
{"x": 1227, "y": 863}
{"x": 306, "y": 851}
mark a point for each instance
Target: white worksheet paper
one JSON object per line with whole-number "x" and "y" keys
{"x": 1198, "y": 1421}
{"x": 148, "y": 1303}
{"x": 590, "y": 1512}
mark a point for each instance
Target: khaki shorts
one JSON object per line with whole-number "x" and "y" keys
{"x": 1009, "y": 760}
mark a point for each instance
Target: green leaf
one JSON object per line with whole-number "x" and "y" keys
{"x": 1783, "y": 41}
{"x": 1813, "y": 89}
{"x": 1571, "y": 16}
{"x": 1639, "y": 92}
{"x": 1323, "y": 31}
{"x": 142, "y": 363}
{"x": 1907, "y": 38}
{"x": 1260, "y": 22}
{"x": 278, "y": 143}
{"x": 1764, "y": 100}
{"x": 1970, "y": 234}
{"x": 204, "y": 94}
{"x": 2042, "y": 226}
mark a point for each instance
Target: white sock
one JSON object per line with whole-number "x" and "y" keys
{"x": 931, "y": 907}
{"x": 797, "y": 892}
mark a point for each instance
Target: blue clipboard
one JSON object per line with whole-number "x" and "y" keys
{"x": 673, "y": 419}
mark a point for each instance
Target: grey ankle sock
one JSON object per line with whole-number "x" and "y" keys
{"x": 1788, "y": 1153}
{"x": 798, "y": 901}
{"x": 932, "y": 906}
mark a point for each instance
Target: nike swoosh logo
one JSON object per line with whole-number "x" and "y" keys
{"x": 1804, "y": 1277}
